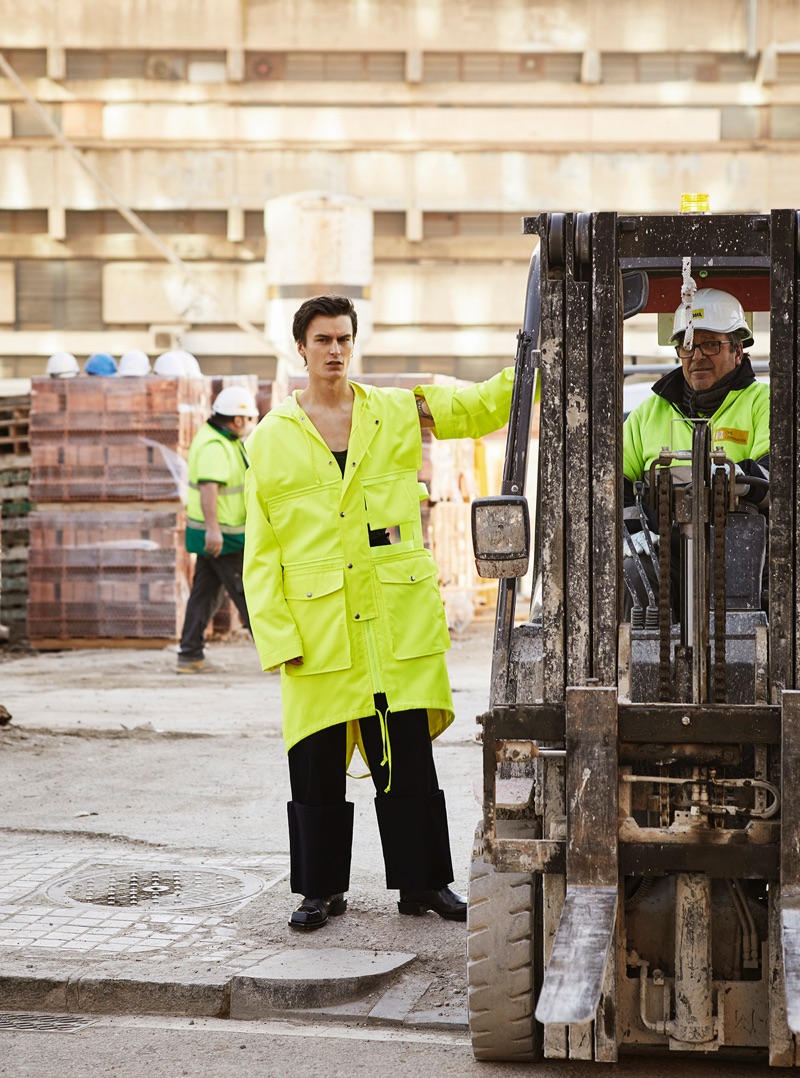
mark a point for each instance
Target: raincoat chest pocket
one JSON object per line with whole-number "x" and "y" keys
{"x": 414, "y": 610}
{"x": 316, "y": 600}
{"x": 391, "y": 501}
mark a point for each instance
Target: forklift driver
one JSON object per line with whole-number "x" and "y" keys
{"x": 716, "y": 381}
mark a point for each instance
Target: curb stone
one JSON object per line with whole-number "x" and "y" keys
{"x": 312, "y": 982}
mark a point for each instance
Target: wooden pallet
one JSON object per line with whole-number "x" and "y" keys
{"x": 97, "y": 643}
{"x": 14, "y": 426}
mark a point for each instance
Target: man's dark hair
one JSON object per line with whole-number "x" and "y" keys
{"x": 330, "y": 306}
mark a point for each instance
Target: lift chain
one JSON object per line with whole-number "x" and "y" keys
{"x": 664, "y": 599}
{"x": 719, "y": 485}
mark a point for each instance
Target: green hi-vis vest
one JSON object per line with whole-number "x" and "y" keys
{"x": 215, "y": 458}
{"x": 740, "y": 425}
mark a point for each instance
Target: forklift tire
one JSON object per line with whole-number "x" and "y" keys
{"x": 504, "y": 958}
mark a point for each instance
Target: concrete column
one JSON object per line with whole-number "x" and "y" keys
{"x": 591, "y": 66}
{"x": 56, "y": 62}
{"x": 234, "y": 63}
{"x": 235, "y": 224}
{"x": 414, "y": 65}
{"x": 57, "y": 222}
{"x": 413, "y": 224}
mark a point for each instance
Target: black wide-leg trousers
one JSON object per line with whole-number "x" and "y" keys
{"x": 412, "y": 817}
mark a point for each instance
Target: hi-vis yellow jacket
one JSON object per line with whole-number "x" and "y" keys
{"x": 219, "y": 458}
{"x": 364, "y": 619}
{"x": 740, "y": 425}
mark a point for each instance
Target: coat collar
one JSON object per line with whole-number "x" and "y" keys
{"x": 672, "y": 385}
{"x": 365, "y": 425}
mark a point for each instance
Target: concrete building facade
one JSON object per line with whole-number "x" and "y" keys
{"x": 449, "y": 118}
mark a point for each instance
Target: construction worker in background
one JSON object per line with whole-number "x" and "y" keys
{"x": 102, "y": 364}
{"x": 715, "y": 380}
{"x": 62, "y": 365}
{"x": 133, "y": 364}
{"x": 215, "y": 519}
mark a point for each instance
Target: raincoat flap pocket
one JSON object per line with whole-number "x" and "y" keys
{"x": 390, "y": 501}
{"x": 406, "y": 570}
{"x": 316, "y": 601}
{"x": 311, "y": 583}
{"x": 413, "y": 605}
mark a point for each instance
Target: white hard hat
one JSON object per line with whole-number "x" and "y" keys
{"x": 190, "y": 364}
{"x": 62, "y": 365}
{"x": 170, "y": 365}
{"x": 134, "y": 364}
{"x": 235, "y": 400}
{"x": 715, "y": 310}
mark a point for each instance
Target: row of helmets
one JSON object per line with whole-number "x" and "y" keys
{"x": 133, "y": 364}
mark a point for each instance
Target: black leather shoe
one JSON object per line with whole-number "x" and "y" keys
{"x": 314, "y": 912}
{"x": 447, "y": 903}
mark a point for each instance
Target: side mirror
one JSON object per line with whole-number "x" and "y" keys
{"x": 635, "y": 293}
{"x": 501, "y": 536}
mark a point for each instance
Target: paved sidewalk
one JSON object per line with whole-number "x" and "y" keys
{"x": 74, "y": 939}
{"x": 144, "y": 862}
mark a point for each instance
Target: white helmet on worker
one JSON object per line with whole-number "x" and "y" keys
{"x": 233, "y": 401}
{"x": 714, "y": 310}
{"x": 62, "y": 365}
{"x": 134, "y": 364}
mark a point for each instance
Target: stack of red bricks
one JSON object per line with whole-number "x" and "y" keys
{"x": 107, "y": 554}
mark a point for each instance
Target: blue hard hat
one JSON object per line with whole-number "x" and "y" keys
{"x": 100, "y": 363}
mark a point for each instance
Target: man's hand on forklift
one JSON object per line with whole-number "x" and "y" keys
{"x": 639, "y": 542}
{"x": 741, "y": 487}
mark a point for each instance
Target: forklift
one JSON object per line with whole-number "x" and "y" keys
{"x": 635, "y": 879}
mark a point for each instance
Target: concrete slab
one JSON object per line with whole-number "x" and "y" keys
{"x": 445, "y": 1018}
{"x": 311, "y": 977}
{"x": 397, "y": 1002}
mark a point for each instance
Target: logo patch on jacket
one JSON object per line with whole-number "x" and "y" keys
{"x": 730, "y": 434}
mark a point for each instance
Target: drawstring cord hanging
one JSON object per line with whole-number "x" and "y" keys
{"x": 387, "y": 745}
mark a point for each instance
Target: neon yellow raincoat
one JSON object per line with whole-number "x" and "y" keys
{"x": 364, "y": 619}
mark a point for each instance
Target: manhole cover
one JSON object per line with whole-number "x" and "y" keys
{"x": 149, "y": 886}
{"x": 43, "y": 1023}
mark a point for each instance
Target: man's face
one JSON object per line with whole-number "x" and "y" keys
{"x": 242, "y": 425}
{"x": 328, "y": 347}
{"x": 703, "y": 372}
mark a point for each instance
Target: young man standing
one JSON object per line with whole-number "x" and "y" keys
{"x": 356, "y": 622}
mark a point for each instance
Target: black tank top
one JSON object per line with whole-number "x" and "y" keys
{"x": 378, "y": 537}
